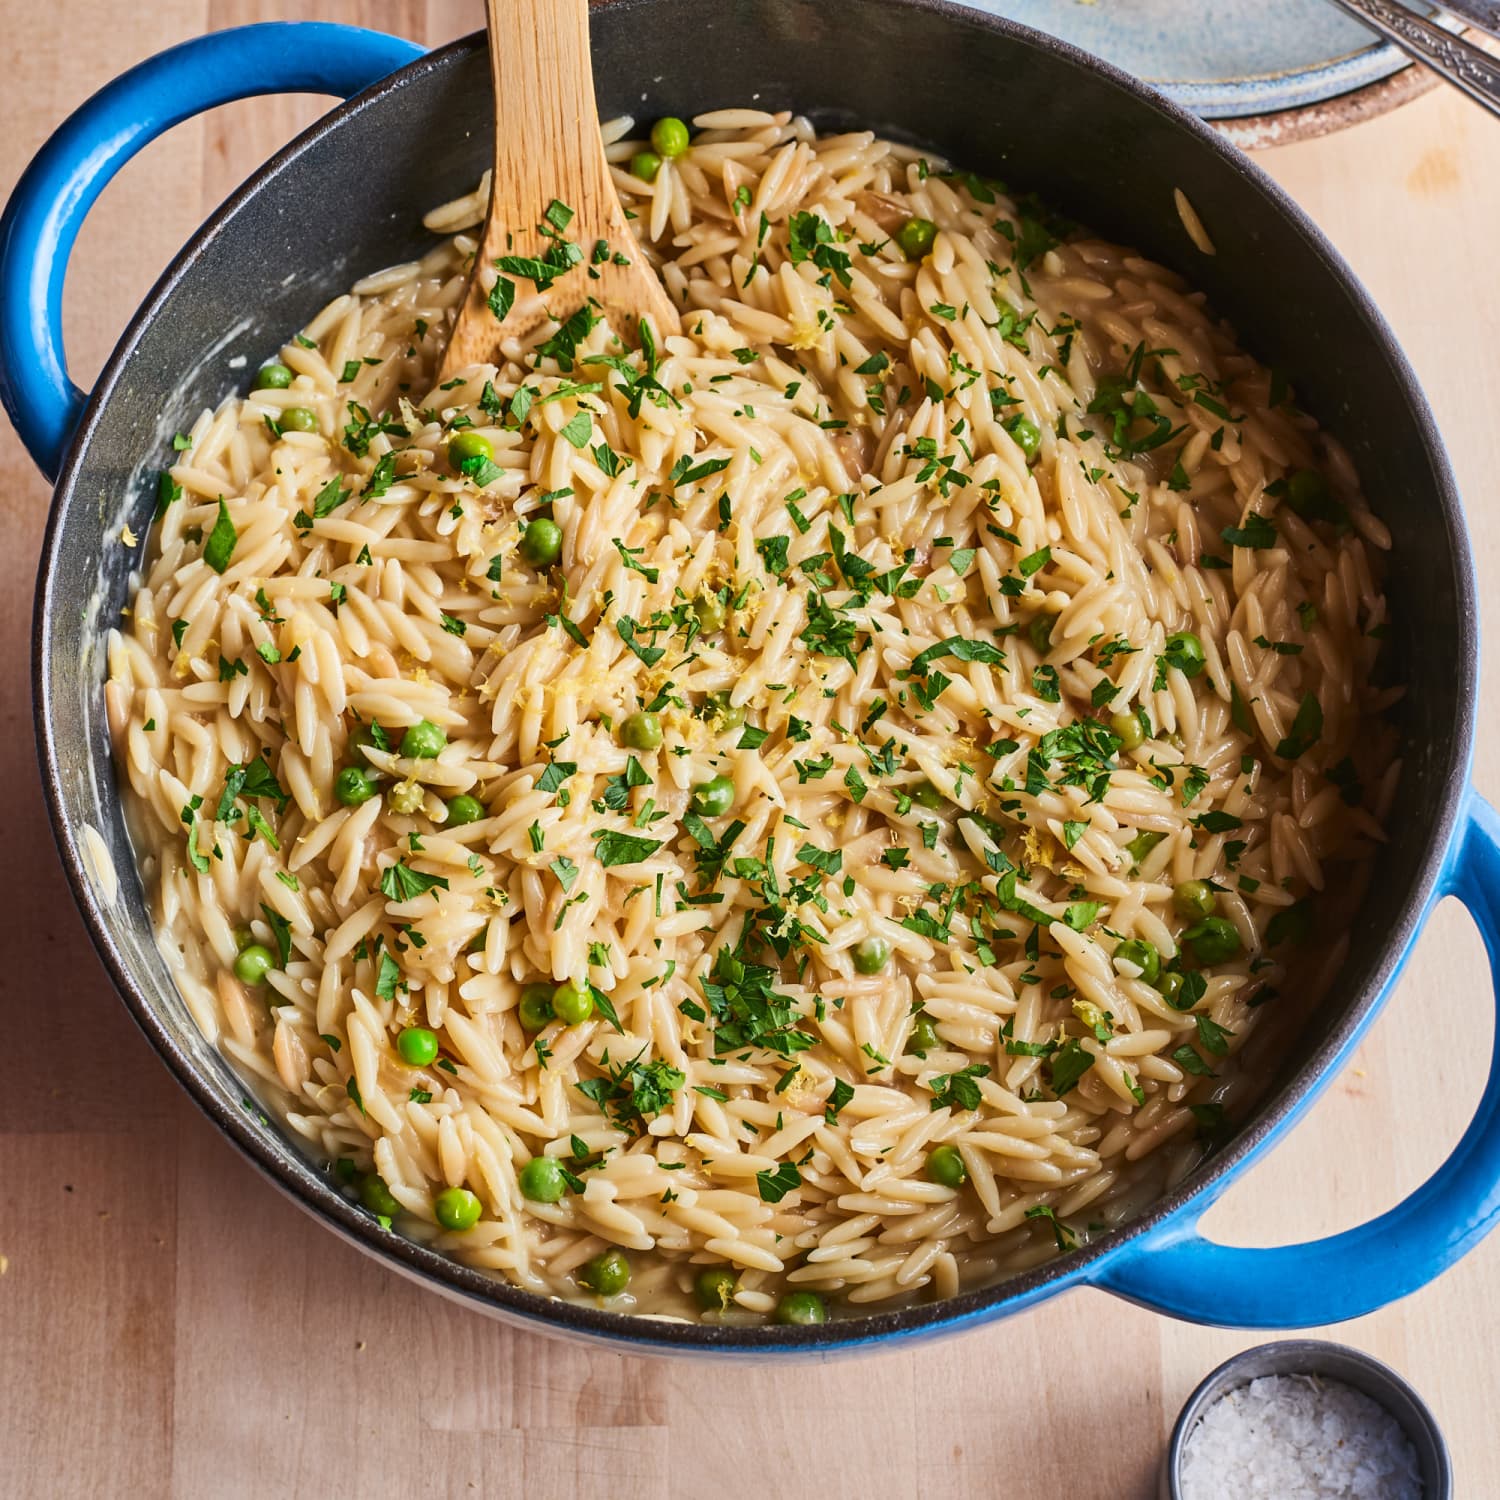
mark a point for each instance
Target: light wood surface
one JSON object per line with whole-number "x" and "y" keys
{"x": 171, "y": 1326}
{"x": 547, "y": 149}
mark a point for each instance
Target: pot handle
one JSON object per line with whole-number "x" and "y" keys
{"x": 1178, "y": 1271}
{"x": 56, "y": 191}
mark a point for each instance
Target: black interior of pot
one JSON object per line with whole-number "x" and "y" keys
{"x": 350, "y": 200}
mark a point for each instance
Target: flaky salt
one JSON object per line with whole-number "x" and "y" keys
{"x": 1298, "y": 1437}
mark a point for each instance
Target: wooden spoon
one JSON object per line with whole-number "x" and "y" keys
{"x": 548, "y": 151}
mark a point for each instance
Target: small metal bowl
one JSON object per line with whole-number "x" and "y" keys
{"x": 1338, "y": 1362}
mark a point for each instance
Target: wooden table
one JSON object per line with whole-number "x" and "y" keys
{"x": 169, "y": 1325}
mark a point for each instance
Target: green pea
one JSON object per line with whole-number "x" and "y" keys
{"x": 669, "y": 137}
{"x": 721, "y": 713}
{"x": 915, "y": 237}
{"x": 1194, "y": 898}
{"x": 243, "y": 935}
{"x": 272, "y": 377}
{"x": 362, "y": 738}
{"x": 253, "y": 964}
{"x": 1127, "y": 729}
{"x": 641, "y": 731}
{"x": 1185, "y": 652}
{"x": 377, "y": 1197}
{"x": 799, "y": 1308}
{"x": 457, "y": 1208}
{"x": 945, "y": 1166}
{"x": 463, "y": 810}
{"x": 572, "y": 1003}
{"x": 417, "y": 1046}
{"x": 535, "y": 1009}
{"x": 298, "y": 419}
{"x": 924, "y": 794}
{"x": 405, "y": 797}
{"x": 354, "y": 786}
{"x": 542, "y": 1180}
{"x": 468, "y": 450}
{"x": 1239, "y": 712}
{"x": 645, "y": 165}
{"x": 1292, "y": 924}
{"x": 1027, "y": 434}
{"x": 710, "y": 612}
{"x": 1143, "y": 955}
{"x": 1304, "y": 489}
{"x": 1169, "y": 986}
{"x": 1039, "y": 633}
{"x": 541, "y": 542}
{"x": 1141, "y": 845}
{"x": 714, "y": 1287}
{"x": 607, "y": 1274}
{"x": 713, "y": 798}
{"x": 871, "y": 955}
{"x": 423, "y": 741}
{"x": 1215, "y": 940}
{"x": 1308, "y": 495}
{"x": 924, "y": 1036}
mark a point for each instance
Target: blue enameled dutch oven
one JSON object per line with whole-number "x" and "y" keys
{"x": 348, "y": 197}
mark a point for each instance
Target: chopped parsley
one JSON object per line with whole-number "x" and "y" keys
{"x": 222, "y": 540}
{"x": 775, "y": 1185}
{"x": 632, "y": 1093}
{"x": 615, "y": 848}
{"x": 401, "y": 883}
{"x": 958, "y": 1090}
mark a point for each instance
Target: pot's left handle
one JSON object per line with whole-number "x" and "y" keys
{"x": 1178, "y": 1271}
{"x": 42, "y": 219}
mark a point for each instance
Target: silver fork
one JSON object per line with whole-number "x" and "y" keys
{"x": 1482, "y": 14}
{"x": 1464, "y": 65}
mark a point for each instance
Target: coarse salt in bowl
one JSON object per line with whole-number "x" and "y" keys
{"x": 1306, "y": 1420}
{"x": 1287, "y": 1435}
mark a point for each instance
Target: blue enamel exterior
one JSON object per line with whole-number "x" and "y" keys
{"x": 55, "y": 193}
{"x": 1163, "y": 1263}
{"x": 1346, "y": 1275}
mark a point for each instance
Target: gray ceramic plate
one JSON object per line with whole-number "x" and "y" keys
{"x": 1303, "y": 63}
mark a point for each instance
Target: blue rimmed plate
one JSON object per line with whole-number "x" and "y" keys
{"x": 1303, "y": 61}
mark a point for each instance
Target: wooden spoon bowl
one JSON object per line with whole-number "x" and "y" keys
{"x": 555, "y": 237}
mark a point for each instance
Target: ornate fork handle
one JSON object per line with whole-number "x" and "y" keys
{"x": 1483, "y": 14}
{"x": 1464, "y": 65}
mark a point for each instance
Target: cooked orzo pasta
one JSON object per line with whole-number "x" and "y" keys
{"x": 789, "y": 817}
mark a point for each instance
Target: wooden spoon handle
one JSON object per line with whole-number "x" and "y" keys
{"x": 546, "y": 122}
{"x": 547, "y": 147}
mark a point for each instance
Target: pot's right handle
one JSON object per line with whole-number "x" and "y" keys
{"x": 56, "y": 191}
{"x": 1178, "y": 1271}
